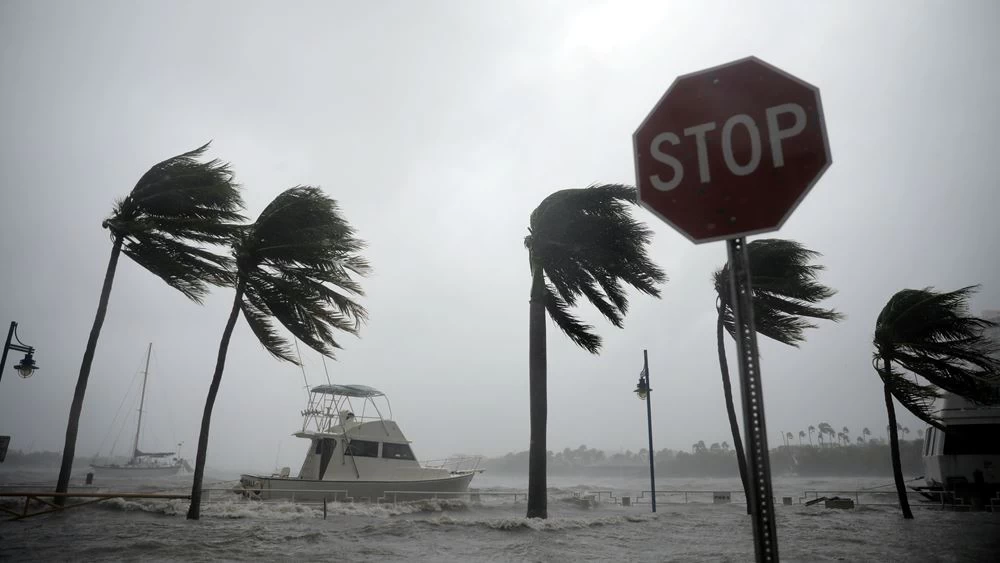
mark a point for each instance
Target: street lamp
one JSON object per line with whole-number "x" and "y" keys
{"x": 642, "y": 390}
{"x": 27, "y": 365}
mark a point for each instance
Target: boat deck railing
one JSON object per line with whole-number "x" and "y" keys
{"x": 455, "y": 464}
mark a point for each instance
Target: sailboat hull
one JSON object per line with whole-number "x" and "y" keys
{"x": 136, "y": 471}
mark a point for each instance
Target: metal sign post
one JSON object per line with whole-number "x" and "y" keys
{"x": 759, "y": 495}
{"x": 730, "y": 151}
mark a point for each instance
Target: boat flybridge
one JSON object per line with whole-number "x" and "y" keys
{"x": 358, "y": 454}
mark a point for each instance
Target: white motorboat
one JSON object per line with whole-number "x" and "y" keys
{"x": 967, "y": 452}
{"x": 962, "y": 461}
{"x": 143, "y": 465}
{"x": 357, "y": 455}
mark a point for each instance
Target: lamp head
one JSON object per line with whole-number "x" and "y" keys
{"x": 26, "y": 367}
{"x": 642, "y": 390}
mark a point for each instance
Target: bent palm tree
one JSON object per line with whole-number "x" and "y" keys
{"x": 802, "y": 434}
{"x": 811, "y": 430}
{"x": 824, "y": 429}
{"x": 176, "y": 208}
{"x": 295, "y": 265}
{"x": 785, "y": 292}
{"x": 581, "y": 242}
{"x": 866, "y": 432}
{"x": 932, "y": 336}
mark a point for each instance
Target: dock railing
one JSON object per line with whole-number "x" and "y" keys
{"x": 680, "y": 496}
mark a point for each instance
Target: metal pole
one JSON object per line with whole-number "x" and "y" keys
{"x": 142, "y": 402}
{"x": 6, "y": 347}
{"x": 649, "y": 424}
{"x": 755, "y": 432}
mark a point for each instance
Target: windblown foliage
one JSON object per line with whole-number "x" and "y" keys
{"x": 587, "y": 244}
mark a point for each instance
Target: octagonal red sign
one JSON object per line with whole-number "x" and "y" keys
{"x": 730, "y": 151}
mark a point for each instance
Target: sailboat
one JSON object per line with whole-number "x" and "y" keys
{"x": 143, "y": 465}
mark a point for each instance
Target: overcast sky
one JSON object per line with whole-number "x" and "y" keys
{"x": 439, "y": 126}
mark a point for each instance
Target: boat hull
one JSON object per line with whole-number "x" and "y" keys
{"x": 308, "y": 490}
{"x": 138, "y": 472}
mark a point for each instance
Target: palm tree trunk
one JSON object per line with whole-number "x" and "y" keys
{"x": 194, "y": 512}
{"x": 76, "y": 407}
{"x": 537, "y": 490}
{"x": 897, "y": 468}
{"x": 734, "y": 426}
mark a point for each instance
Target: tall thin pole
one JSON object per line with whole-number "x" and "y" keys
{"x": 760, "y": 495}
{"x": 6, "y": 347}
{"x": 649, "y": 425}
{"x": 142, "y": 401}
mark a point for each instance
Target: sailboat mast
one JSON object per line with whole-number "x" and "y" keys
{"x": 142, "y": 400}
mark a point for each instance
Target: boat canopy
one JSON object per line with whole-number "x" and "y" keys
{"x": 362, "y": 391}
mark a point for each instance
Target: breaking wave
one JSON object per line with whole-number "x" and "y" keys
{"x": 547, "y": 525}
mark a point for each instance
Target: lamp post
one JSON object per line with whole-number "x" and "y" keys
{"x": 27, "y": 365}
{"x": 643, "y": 391}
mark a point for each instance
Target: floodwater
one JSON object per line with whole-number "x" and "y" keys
{"x": 495, "y": 529}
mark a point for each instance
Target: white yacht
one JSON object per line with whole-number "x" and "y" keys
{"x": 963, "y": 461}
{"x": 967, "y": 452}
{"x": 357, "y": 455}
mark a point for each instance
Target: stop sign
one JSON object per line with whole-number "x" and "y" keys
{"x": 731, "y": 150}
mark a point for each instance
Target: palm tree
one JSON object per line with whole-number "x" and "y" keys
{"x": 847, "y": 434}
{"x": 905, "y": 431}
{"x": 932, "y": 336}
{"x": 715, "y": 447}
{"x": 294, "y": 264}
{"x": 581, "y": 242}
{"x": 785, "y": 292}
{"x": 725, "y": 446}
{"x": 788, "y": 438}
{"x": 866, "y": 432}
{"x": 802, "y": 434}
{"x": 825, "y": 428}
{"x": 699, "y": 446}
{"x": 811, "y": 430}
{"x": 860, "y": 440}
{"x": 176, "y": 208}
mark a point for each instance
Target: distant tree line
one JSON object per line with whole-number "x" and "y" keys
{"x": 719, "y": 460}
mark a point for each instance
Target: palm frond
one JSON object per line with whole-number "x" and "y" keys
{"x": 579, "y": 332}
{"x": 589, "y": 245}
{"x": 182, "y": 266}
{"x": 176, "y": 208}
{"x": 915, "y": 397}
{"x": 260, "y": 323}
{"x": 298, "y": 261}
{"x": 932, "y": 335}
{"x": 785, "y": 290}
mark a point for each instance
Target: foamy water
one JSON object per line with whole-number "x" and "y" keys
{"x": 496, "y": 530}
